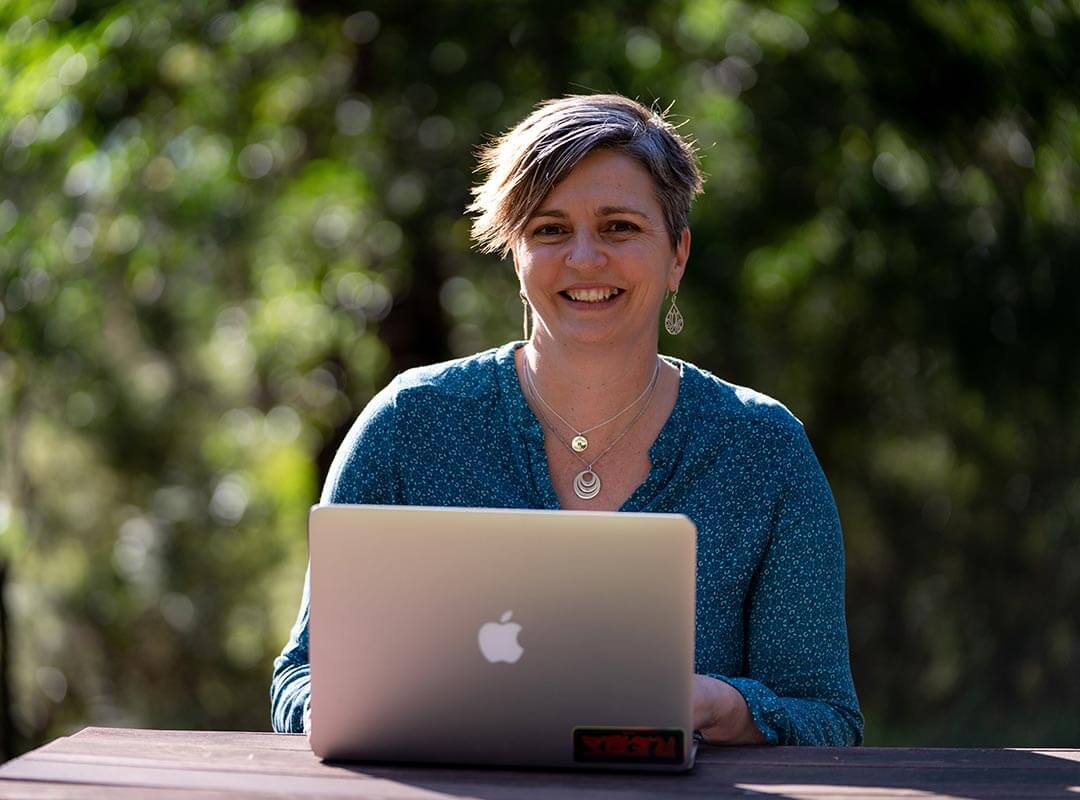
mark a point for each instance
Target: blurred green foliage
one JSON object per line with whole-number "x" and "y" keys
{"x": 224, "y": 226}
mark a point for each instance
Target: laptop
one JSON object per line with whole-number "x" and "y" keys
{"x": 502, "y": 637}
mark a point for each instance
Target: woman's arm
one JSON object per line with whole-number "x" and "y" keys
{"x": 796, "y": 684}
{"x": 721, "y": 713}
{"x": 364, "y": 471}
{"x": 290, "y": 686}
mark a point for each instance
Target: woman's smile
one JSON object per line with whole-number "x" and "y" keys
{"x": 592, "y": 297}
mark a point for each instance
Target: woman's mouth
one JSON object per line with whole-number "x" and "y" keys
{"x": 593, "y": 296}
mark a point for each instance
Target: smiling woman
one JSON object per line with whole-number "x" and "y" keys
{"x": 590, "y": 196}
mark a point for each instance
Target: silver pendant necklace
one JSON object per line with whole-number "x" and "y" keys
{"x": 580, "y": 443}
{"x": 587, "y": 483}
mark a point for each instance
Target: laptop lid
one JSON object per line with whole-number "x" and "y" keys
{"x": 491, "y": 636}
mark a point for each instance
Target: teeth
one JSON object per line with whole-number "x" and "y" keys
{"x": 592, "y": 295}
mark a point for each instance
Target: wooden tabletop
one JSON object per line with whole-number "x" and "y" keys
{"x": 126, "y": 763}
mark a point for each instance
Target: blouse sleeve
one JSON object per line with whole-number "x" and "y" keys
{"x": 797, "y": 680}
{"x": 363, "y": 471}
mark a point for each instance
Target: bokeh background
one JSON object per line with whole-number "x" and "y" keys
{"x": 225, "y": 225}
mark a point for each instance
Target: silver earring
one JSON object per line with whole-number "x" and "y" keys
{"x": 524, "y": 316}
{"x": 673, "y": 322}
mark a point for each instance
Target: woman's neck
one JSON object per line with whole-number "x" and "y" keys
{"x": 586, "y": 385}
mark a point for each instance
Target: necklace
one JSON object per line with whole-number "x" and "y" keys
{"x": 587, "y": 482}
{"x": 580, "y": 443}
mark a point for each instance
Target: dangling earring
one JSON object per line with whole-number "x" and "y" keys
{"x": 524, "y": 315}
{"x": 673, "y": 322}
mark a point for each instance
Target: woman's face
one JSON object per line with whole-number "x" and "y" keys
{"x": 595, "y": 260}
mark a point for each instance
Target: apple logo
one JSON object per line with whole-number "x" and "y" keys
{"x": 498, "y": 640}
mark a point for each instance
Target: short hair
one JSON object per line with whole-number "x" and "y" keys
{"x": 524, "y": 164}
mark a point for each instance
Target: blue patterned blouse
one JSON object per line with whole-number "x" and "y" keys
{"x": 770, "y": 572}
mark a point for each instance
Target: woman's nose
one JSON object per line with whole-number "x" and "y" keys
{"x": 585, "y": 253}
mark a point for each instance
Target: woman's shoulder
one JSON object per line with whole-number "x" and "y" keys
{"x": 720, "y": 400}
{"x": 434, "y": 391}
{"x": 473, "y": 376}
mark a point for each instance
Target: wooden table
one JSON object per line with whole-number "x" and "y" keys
{"x": 126, "y": 763}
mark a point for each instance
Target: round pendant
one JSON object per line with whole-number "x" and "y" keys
{"x": 587, "y": 484}
{"x": 579, "y": 443}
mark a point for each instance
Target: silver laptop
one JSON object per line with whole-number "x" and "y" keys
{"x": 509, "y": 637}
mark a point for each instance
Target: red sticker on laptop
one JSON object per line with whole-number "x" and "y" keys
{"x": 629, "y": 746}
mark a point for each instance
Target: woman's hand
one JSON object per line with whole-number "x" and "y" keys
{"x": 721, "y": 713}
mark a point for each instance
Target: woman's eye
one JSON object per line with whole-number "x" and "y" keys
{"x": 622, "y": 226}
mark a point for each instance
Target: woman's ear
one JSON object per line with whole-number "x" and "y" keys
{"x": 514, "y": 258}
{"x": 678, "y": 265}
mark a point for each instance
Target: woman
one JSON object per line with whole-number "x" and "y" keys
{"x": 590, "y": 195}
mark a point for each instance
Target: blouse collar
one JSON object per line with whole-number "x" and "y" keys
{"x": 663, "y": 453}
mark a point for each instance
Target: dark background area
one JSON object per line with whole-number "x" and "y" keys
{"x": 224, "y": 226}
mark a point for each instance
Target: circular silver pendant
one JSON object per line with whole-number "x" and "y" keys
{"x": 579, "y": 443}
{"x": 587, "y": 484}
